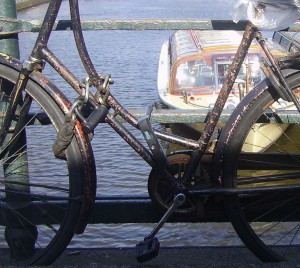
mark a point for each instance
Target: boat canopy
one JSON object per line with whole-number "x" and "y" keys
{"x": 187, "y": 43}
{"x": 200, "y": 61}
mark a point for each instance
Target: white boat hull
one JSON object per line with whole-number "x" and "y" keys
{"x": 262, "y": 136}
{"x": 259, "y": 139}
{"x": 187, "y": 60}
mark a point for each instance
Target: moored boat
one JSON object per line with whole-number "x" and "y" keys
{"x": 192, "y": 68}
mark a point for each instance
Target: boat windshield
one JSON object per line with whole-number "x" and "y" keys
{"x": 200, "y": 76}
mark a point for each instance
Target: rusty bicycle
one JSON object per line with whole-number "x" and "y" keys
{"x": 42, "y": 210}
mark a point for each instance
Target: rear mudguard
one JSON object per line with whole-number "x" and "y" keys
{"x": 230, "y": 126}
{"x": 82, "y": 139}
{"x": 262, "y": 87}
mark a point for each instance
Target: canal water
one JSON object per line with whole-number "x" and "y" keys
{"x": 131, "y": 57}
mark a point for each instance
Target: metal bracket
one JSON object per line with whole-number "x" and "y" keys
{"x": 33, "y": 64}
{"x": 282, "y": 89}
{"x": 103, "y": 92}
{"x": 146, "y": 128}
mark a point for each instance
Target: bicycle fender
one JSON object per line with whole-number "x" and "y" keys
{"x": 230, "y": 126}
{"x": 89, "y": 194}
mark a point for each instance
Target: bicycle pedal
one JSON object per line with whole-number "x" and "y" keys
{"x": 147, "y": 250}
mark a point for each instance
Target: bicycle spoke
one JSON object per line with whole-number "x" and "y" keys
{"x": 40, "y": 195}
{"x": 263, "y": 220}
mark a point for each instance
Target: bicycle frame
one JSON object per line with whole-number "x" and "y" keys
{"x": 41, "y": 53}
{"x": 183, "y": 188}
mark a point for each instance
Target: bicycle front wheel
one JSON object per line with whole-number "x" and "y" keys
{"x": 40, "y": 194}
{"x": 259, "y": 154}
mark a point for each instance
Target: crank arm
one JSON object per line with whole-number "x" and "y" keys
{"x": 149, "y": 248}
{"x": 178, "y": 201}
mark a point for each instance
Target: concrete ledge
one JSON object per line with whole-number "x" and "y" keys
{"x": 186, "y": 257}
{"x": 22, "y": 4}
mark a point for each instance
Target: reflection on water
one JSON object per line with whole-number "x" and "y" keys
{"x": 179, "y": 234}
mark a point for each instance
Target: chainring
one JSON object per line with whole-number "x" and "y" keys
{"x": 162, "y": 193}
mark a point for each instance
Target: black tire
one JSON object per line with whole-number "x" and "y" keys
{"x": 50, "y": 208}
{"x": 267, "y": 223}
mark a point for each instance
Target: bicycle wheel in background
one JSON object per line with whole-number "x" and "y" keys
{"x": 257, "y": 150}
{"x": 36, "y": 233}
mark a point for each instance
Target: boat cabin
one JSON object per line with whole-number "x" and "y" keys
{"x": 193, "y": 66}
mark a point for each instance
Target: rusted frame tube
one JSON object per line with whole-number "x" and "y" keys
{"x": 237, "y": 62}
{"x": 46, "y": 29}
{"x": 214, "y": 116}
{"x": 121, "y": 111}
{"x": 129, "y": 118}
{"x": 81, "y": 47}
{"x": 187, "y": 143}
{"x": 130, "y": 139}
{"x": 50, "y": 58}
{"x": 40, "y": 50}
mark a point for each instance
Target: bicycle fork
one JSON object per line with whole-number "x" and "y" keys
{"x": 13, "y": 152}
{"x": 14, "y": 101}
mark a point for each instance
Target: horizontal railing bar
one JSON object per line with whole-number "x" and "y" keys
{"x": 200, "y": 115}
{"x": 180, "y": 116}
{"x": 110, "y": 210}
{"x": 127, "y": 209}
{"x": 11, "y": 26}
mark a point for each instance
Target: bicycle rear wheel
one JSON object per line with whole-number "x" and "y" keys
{"x": 40, "y": 194}
{"x": 259, "y": 149}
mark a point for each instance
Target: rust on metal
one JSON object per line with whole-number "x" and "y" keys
{"x": 90, "y": 182}
{"x": 130, "y": 139}
{"x": 187, "y": 143}
{"x": 117, "y": 107}
{"x": 240, "y": 55}
{"x": 61, "y": 69}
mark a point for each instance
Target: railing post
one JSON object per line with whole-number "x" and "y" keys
{"x": 9, "y": 44}
{"x": 20, "y": 236}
